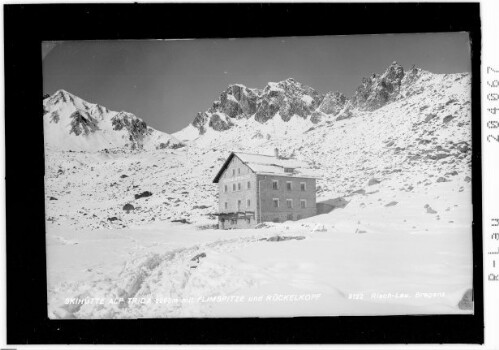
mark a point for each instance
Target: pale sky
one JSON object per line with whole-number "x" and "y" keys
{"x": 167, "y": 82}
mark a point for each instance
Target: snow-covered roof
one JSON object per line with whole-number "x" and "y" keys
{"x": 269, "y": 165}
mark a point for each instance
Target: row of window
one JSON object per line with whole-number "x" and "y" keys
{"x": 275, "y": 186}
{"x": 275, "y": 201}
{"x": 289, "y": 185}
{"x": 289, "y": 203}
{"x": 237, "y": 187}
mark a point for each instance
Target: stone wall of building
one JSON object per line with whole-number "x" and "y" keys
{"x": 268, "y": 193}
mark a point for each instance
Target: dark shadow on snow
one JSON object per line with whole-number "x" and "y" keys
{"x": 329, "y": 205}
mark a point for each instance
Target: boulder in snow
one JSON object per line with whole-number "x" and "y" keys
{"x": 128, "y": 207}
{"x": 448, "y": 118}
{"x": 182, "y": 221}
{"x": 143, "y": 194}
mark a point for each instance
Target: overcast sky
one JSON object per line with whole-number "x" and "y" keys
{"x": 167, "y": 82}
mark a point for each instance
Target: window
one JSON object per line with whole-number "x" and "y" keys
{"x": 288, "y": 185}
{"x": 238, "y": 171}
{"x": 248, "y": 203}
{"x": 303, "y": 186}
{"x": 276, "y": 202}
{"x": 275, "y": 184}
{"x": 290, "y": 217}
{"x": 298, "y": 217}
{"x": 239, "y": 186}
{"x": 303, "y": 203}
{"x": 249, "y": 185}
{"x": 225, "y": 188}
{"x": 233, "y": 187}
{"x": 226, "y": 205}
{"x": 289, "y": 203}
{"x": 288, "y": 170}
{"x": 275, "y": 220}
{"x": 233, "y": 172}
{"x": 239, "y": 204}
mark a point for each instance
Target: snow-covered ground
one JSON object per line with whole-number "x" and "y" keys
{"x": 398, "y": 243}
{"x": 392, "y": 243}
{"x": 359, "y": 260}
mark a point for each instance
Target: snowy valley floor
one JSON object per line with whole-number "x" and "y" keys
{"x": 365, "y": 259}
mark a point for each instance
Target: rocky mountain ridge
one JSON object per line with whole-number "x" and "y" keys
{"x": 289, "y": 98}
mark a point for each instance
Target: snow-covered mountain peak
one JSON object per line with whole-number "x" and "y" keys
{"x": 242, "y": 114}
{"x": 63, "y": 96}
{"x": 288, "y": 85}
{"x": 71, "y": 123}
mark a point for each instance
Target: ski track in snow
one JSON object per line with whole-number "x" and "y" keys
{"x": 179, "y": 273}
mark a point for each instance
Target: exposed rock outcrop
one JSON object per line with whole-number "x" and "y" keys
{"x": 289, "y": 98}
{"x": 218, "y": 124}
{"x": 82, "y": 123}
{"x": 137, "y": 128}
{"x": 378, "y": 90}
{"x": 286, "y": 99}
{"x": 333, "y": 103}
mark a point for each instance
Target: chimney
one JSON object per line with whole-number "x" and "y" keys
{"x": 276, "y": 152}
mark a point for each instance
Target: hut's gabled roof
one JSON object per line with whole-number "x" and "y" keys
{"x": 269, "y": 165}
